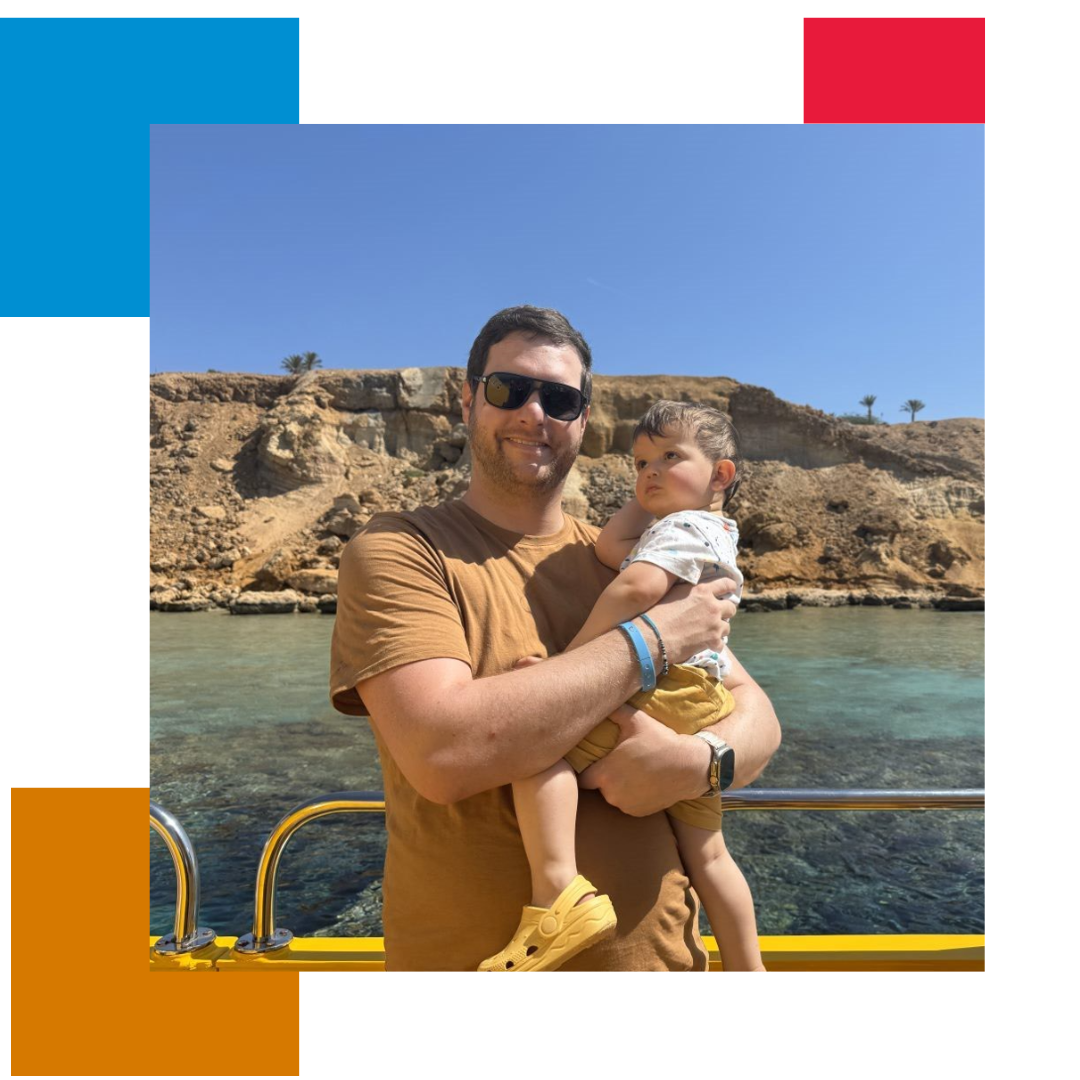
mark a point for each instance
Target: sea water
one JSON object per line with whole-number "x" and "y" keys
{"x": 241, "y": 730}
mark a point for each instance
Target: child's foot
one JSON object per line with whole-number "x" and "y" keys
{"x": 547, "y": 937}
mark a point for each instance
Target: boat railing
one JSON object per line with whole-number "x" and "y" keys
{"x": 187, "y": 935}
{"x": 265, "y": 937}
{"x": 854, "y": 799}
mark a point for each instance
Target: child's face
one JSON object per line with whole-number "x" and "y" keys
{"x": 673, "y": 474}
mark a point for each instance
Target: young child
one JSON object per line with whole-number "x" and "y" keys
{"x": 685, "y": 456}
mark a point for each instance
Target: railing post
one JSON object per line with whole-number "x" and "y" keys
{"x": 187, "y": 935}
{"x": 264, "y": 937}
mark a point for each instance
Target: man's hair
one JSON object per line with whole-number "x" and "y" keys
{"x": 533, "y": 322}
{"x": 711, "y": 429}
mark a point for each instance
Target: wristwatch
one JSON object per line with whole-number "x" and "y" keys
{"x": 722, "y": 766}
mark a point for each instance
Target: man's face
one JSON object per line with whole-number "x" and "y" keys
{"x": 522, "y": 449}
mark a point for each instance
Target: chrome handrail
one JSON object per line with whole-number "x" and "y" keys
{"x": 265, "y": 937}
{"x": 187, "y": 935}
{"x": 853, "y": 799}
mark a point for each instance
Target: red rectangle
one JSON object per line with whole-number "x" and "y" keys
{"x": 893, "y": 71}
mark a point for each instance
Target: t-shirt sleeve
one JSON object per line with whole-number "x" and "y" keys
{"x": 394, "y": 607}
{"x": 677, "y": 546}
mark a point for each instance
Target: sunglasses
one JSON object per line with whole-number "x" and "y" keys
{"x": 506, "y": 391}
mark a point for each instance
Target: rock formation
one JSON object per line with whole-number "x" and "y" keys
{"x": 258, "y": 481}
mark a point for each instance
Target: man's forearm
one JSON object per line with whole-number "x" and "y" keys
{"x": 510, "y": 726}
{"x": 522, "y": 741}
{"x": 752, "y": 730}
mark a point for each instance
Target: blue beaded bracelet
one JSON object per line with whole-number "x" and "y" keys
{"x": 644, "y": 657}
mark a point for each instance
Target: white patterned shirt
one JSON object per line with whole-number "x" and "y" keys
{"x": 694, "y": 545}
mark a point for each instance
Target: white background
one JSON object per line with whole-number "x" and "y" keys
{"x": 76, "y": 548}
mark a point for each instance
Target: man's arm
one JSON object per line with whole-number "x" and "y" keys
{"x": 653, "y": 768}
{"x": 753, "y": 729}
{"x": 454, "y": 736}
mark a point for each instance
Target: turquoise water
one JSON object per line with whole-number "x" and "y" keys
{"x": 241, "y": 729}
{"x": 908, "y": 674}
{"x": 212, "y": 671}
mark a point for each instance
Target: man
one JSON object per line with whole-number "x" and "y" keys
{"x": 435, "y": 608}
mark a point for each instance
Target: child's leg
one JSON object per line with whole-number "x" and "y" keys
{"x": 546, "y": 806}
{"x": 724, "y": 893}
{"x": 562, "y": 918}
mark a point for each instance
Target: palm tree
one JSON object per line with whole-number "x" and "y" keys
{"x": 868, "y": 401}
{"x": 311, "y": 361}
{"x": 912, "y": 405}
{"x": 294, "y": 364}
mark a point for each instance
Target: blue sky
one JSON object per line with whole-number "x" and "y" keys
{"x": 823, "y": 262}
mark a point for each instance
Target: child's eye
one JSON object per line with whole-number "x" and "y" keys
{"x": 671, "y": 454}
{"x": 639, "y": 465}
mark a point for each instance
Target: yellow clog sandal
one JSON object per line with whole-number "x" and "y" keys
{"x": 547, "y": 937}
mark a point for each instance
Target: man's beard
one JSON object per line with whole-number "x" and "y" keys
{"x": 489, "y": 456}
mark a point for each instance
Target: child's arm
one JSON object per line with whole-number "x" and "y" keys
{"x": 622, "y": 531}
{"x": 640, "y": 586}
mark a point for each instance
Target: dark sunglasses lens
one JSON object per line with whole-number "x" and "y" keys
{"x": 506, "y": 391}
{"x": 512, "y": 391}
{"x": 561, "y": 402}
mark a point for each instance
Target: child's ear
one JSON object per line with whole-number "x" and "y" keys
{"x": 723, "y": 474}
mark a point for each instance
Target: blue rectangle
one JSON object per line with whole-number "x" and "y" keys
{"x": 80, "y": 96}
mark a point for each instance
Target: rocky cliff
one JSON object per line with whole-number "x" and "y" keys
{"x": 257, "y": 482}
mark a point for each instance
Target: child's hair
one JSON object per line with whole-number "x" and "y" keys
{"x": 711, "y": 429}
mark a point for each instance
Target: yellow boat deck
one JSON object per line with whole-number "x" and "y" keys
{"x": 839, "y": 952}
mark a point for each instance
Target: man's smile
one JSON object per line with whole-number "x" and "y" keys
{"x": 532, "y": 444}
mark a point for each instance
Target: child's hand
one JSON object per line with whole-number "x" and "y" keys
{"x": 527, "y": 661}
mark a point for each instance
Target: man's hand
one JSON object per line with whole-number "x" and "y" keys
{"x": 651, "y": 768}
{"x": 695, "y": 617}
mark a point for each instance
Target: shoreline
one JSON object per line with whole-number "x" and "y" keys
{"x": 289, "y": 602}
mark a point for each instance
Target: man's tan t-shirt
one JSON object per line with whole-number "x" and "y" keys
{"x": 444, "y": 582}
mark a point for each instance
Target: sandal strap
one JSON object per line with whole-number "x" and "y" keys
{"x": 569, "y": 897}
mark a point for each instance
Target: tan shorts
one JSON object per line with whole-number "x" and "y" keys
{"x": 685, "y": 700}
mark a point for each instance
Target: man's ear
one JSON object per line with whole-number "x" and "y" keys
{"x": 723, "y": 474}
{"x": 585, "y": 416}
{"x": 466, "y": 400}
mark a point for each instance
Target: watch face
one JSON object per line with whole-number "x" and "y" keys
{"x": 726, "y": 769}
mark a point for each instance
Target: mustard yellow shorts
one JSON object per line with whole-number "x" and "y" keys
{"x": 685, "y": 700}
